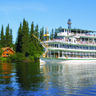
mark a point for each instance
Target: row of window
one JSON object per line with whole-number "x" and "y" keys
{"x": 75, "y": 53}
{"x": 72, "y": 54}
{"x": 72, "y": 46}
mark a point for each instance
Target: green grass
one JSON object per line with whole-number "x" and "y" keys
{"x": 2, "y": 59}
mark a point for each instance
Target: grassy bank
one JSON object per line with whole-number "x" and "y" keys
{"x": 18, "y": 57}
{"x": 2, "y": 59}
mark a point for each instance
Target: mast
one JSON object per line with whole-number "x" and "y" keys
{"x": 69, "y": 25}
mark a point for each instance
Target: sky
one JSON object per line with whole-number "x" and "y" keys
{"x": 48, "y": 13}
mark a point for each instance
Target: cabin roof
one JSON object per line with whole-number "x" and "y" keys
{"x": 6, "y": 48}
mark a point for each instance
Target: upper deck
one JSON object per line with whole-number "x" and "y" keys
{"x": 74, "y": 38}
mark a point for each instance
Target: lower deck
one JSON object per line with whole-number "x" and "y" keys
{"x": 70, "y": 55}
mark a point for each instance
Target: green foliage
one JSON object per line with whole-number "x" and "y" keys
{"x": 52, "y": 35}
{"x": 36, "y": 31}
{"x": 27, "y": 47}
{"x": 16, "y": 57}
{"x": 2, "y": 36}
{"x": 1, "y": 51}
{"x": 55, "y": 35}
{"x": 42, "y": 34}
{"x": 3, "y": 59}
{"x": 32, "y": 30}
{"x": 19, "y": 40}
{"x": 31, "y": 58}
{"x": 25, "y": 38}
{"x": 6, "y": 40}
{"x": 26, "y": 43}
{"x": 10, "y": 38}
{"x": 7, "y": 36}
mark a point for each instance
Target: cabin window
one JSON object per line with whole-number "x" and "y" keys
{"x": 7, "y": 50}
{"x": 7, "y": 54}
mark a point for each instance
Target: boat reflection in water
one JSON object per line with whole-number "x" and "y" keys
{"x": 71, "y": 78}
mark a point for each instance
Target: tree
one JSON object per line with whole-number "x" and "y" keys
{"x": 32, "y": 31}
{"x": 2, "y": 37}
{"x": 25, "y": 38}
{"x": 36, "y": 31}
{"x": 32, "y": 47}
{"x": 26, "y": 43}
{"x": 7, "y": 36}
{"x": 52, "y": 35}
{"x": 55, "y": 35}
{"x": 42, "y": 34}
{"x": 19, "y": 40}
{"x": 10, "y": 34}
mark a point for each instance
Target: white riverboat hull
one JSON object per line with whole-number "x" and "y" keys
{"x": 69, "y": 60}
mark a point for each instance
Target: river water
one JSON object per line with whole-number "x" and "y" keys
{"x": 50, "y": 79}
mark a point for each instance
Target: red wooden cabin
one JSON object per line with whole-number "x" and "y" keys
{"x": 7, "y": 51}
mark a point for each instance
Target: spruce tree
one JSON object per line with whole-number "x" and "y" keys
{"x": 52, "y": 34}
{"x": 37, "y": 31}
{"x": 19, "y": 40}
{"x": 10, "y": 34}
{"x": 32, "y": 47}
{"x": 2, "y": 37}
{"x": 32, "y": 31}
{"x": 25, "y": 38}
{"x": 42, "y": 34}
{"x": 55, "y": 35}
{"x": 7, "y": 37}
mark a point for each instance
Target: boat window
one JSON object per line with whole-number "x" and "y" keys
{"x": 61, "y": 46}
{"x": 65, "y": 46}
{"x": 68, "y": 46}
{"x": 80, "y": 47}
{"x": 91, "y": 47}
{"x": 69, "y": 40}
{"x": 86, "y": 47}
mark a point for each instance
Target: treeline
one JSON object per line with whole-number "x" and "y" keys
{"x": 26, "y": 44}
{"x": 6, "y": 37}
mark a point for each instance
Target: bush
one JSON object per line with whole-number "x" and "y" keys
{"x": 2, "y": 59}
{"x": 16, "y": 57}
{"x": 31, "y": 58}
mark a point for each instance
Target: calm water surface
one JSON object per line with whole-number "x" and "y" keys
{"x": 51, "y": 79}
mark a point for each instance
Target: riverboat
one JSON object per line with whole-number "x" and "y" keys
{"x": 71, "y": 44}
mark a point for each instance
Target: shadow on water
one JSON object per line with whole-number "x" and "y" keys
{"x": 28, "y": 75}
